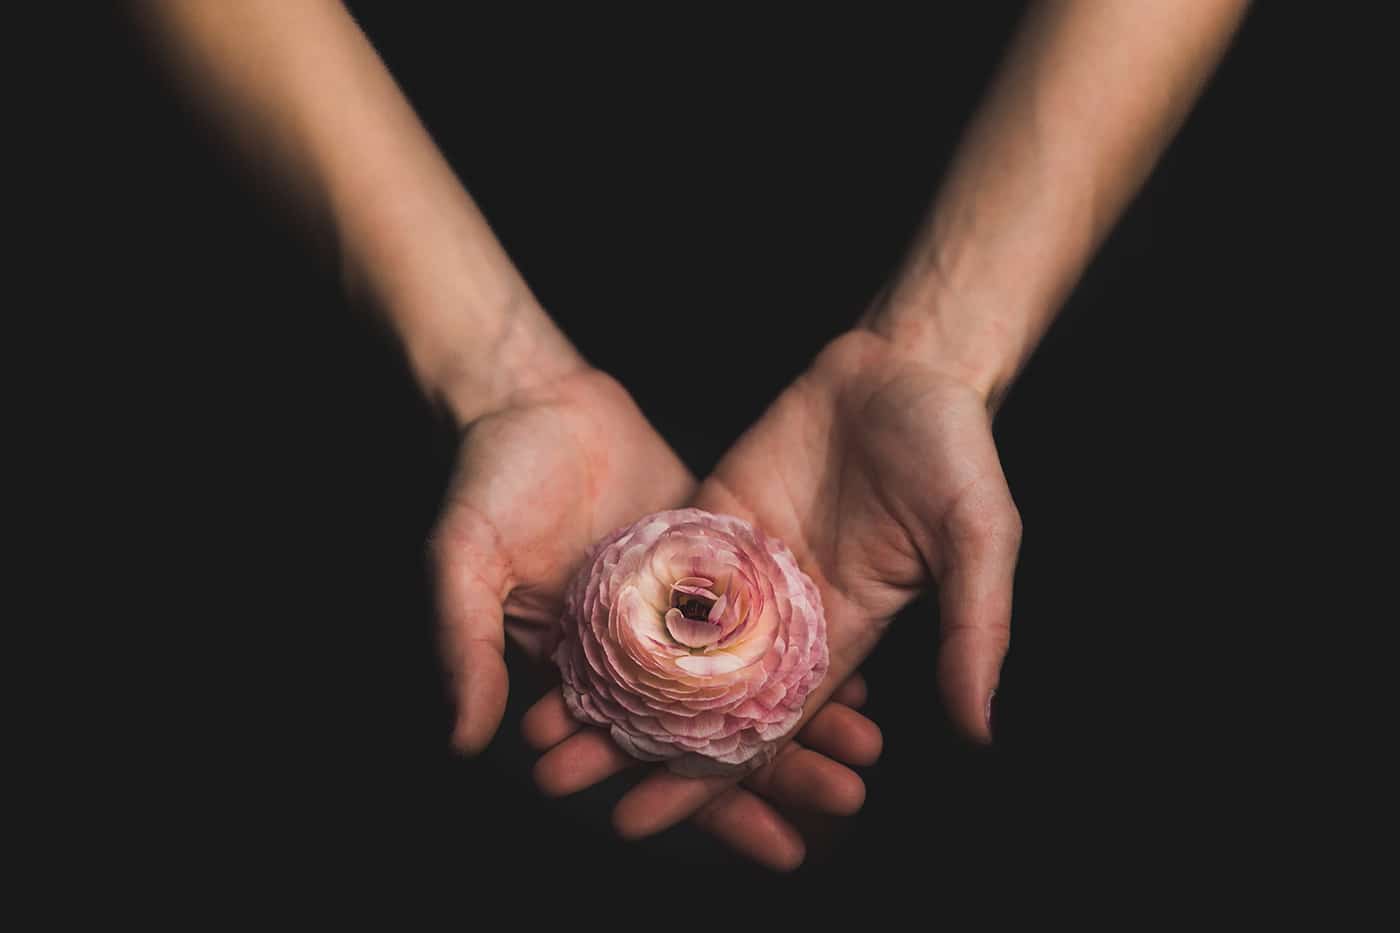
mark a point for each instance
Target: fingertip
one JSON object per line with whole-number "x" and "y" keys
{"x": 808, "y": 779}
{"x": 845, "y": 735}
{"x": 547, "y": 778}
{"x": 548, "y": 722}
{"x": 632, "y": 821}
{"x": 627, "y": 828}
{"x": 871, "y": 746}
{"x": 581, "y": 761}
{"x": 464, "y": 745}
{"x": 787, "y": 856}
{"x": 553, "y": 775}
{"x": 662, "y": 800}
{"x": 970, "y": 718}
{"x": 974, "y": 722}
{"x": 991, "y": 717}
{"x": 792, "y": 861}
{"x": 471, "y": 735}
{"x": 848, "y": 795}
{"x": 482, "y": 703}
{"x": 969, "y": 668}
{"x": 476, "y": 726}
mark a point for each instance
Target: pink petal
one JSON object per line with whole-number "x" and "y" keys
{"x": 625, "y": 656}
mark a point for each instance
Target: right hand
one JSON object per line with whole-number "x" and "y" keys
{"x": 557, "y": 466}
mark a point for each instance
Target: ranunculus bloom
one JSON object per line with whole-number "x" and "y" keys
{"x": 694, "y": 638}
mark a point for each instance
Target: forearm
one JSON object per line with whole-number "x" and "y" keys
{"x": 300, "y": 87}
{"x": 1088, "y": 97}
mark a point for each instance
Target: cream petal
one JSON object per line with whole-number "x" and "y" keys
{"x": 638, "y": 615}
{"x": 693, "y": 633}
{"x": 709, "y": 665}
{"x": 717, "y": 610}
{"x": 696, "y": 586}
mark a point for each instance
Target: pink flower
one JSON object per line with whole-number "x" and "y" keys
{"x": 694, "y": 638}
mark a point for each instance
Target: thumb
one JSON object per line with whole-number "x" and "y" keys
{"x": 472, "y": 635}
{"x": 974, "y": 604}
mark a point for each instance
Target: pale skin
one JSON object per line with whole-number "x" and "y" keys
{"x": 877, "y": 466}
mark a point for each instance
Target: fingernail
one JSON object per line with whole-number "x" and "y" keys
{"x": 991, "y": 714}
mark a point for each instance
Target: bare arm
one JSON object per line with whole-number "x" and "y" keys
{"x": 298, "y": 85}
{"x": 1088, "y": 97}
{"x": 556, "y": 455}
{"x": 877, "y": 465}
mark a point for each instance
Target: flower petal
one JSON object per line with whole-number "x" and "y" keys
{"x": 709, "y": 696}
{"x": 693, "y": 633}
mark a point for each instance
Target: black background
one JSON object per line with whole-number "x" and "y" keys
{"x": 763, "y": 178}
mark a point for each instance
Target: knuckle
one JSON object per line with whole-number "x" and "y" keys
{"x": 1014, "y": 526}
{"x": 998, "y": 633}
{"x": 445, "y": 540}
{"x": 1002, "y": 526}
{"x": 989, "y": 529}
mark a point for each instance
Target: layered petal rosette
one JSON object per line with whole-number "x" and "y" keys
{"x": 694, "y": 638}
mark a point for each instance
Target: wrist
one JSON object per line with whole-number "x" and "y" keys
{"x": 943, "y": 333}
{"x": 986, "y": 273}
{"x": 472, "y": 332}
{"x": 477, "y": 369}
{"x": 977, "y": 297}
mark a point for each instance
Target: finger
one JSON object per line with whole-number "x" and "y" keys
{"x": 843, "y": 734}
{"x": 801, "y": 778}
{"x": 580, "y": 761}
{"x": 469, "y": 585}
{"x": 475, "y": 649}
{"x": 853, "y": 692}
{"x": 663, "y": 799}
{"x": 483, "y": 683}
{"x": 548, "y": 722}
{"x": 974, "y": 602}
{"x": 753, "y": 828}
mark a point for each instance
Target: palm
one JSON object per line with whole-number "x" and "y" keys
{"x": 880, "y": 472}
{"x": 536, "y": 484}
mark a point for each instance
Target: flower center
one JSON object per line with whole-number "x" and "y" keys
{"x": 691, "y": 606}
{"x": 693, "y": 602}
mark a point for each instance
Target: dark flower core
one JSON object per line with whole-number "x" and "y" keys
{"x": 691, "y": 606}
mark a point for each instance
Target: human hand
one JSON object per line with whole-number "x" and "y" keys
{"x": 554, "y": 467}
{"x": 877, "y": 467}
{"x": 538, "y": 481}
{"x": 754, "y": 819}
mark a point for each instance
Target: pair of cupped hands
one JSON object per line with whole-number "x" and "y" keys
{"x": 878, "y": 469}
